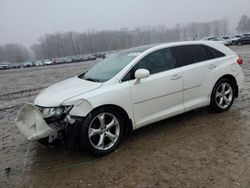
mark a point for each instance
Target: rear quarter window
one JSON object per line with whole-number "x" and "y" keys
{"x": 213, "y": 53}
{"x": 190, "y": 54}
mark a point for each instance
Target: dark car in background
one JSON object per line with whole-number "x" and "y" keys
{"x": 16, "y": 65}
{"x": 244, "y": 39}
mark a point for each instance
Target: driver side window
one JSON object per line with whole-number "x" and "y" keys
{"x": 155, "y": 62}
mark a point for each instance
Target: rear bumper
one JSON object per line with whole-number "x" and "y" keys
{"x": 31, "y": 124}
{"x": 240, "y": 82}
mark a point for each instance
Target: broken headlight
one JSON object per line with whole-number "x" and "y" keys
{"x": 54, "y": 111}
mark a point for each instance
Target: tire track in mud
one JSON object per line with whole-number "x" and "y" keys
{"x": 12, "y": 96}
{"x": 20, "y": 93}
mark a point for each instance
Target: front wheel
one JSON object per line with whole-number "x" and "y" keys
{"x": 102, "y": 131}
{"x": 223, "y": 95}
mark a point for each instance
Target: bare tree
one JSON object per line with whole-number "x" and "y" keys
{"x": 14, "y": 53}
{"x": 244, "y": 24}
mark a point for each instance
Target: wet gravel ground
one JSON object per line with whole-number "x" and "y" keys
{"x": 196, "y": 149}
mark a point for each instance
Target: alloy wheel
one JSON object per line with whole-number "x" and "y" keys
{"x": 224, "y": 95}
{"x": 104, "y": 131}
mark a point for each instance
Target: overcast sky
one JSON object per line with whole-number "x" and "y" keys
{"x": 23, "y": 21}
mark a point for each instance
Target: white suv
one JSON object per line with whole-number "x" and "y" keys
{"x": 131, "y": 89}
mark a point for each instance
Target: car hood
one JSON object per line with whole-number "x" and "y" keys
{"x": 56, "y": 94}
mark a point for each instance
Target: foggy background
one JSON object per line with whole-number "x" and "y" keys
{"x": 53, "y": 28}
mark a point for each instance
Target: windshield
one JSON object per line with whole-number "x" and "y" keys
{"x": 109, "y": 67}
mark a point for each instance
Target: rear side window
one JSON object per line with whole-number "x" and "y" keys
{"x": 190, "y": 54}
{"x": 213, "y": 53}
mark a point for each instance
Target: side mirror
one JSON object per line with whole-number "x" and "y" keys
{"x": 141, "y": 73}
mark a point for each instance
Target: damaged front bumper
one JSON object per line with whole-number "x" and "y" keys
{"x": 31, "y": 124}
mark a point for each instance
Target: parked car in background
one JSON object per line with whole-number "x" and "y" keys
{"x": 67, "y": 60}
{"x": 234, "y": 39}
{"x": 214, "y": 39}
{"x": 47, "y": 62}
{"x": 16, "y": 65}
{"x": 27, "y": 64}
{"x": 229, "y": 40}
{"x": 5, "y": 65}
{"x": 108, "y": 54}
{"x": 100, "y": 55}
{"x": 85, "y": 58}
{"x": 238, "y": 36}
{"x": 38, "y": 63}
{"x": 131, "y": 89}
{"x": 91, "y": 57}
{"x": 77, "y": 58}
{"x": 244, "y": 39}
{"x": 224, "y": 40}
{"x": 58, "y": 60}
{"x": 211, "y": 38}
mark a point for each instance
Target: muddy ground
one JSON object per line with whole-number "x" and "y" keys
{"x": 196, "y": 149}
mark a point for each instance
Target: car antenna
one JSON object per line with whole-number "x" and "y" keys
{"x": 196, "y": 36}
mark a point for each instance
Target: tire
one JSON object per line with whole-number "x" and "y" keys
{"x": 223, "y": 95}
{"x": 44, "y": 141}
{"x": 102, "y": 131}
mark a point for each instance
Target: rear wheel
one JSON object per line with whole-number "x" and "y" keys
{"x": 223, "y": 95}
{"x": 102, "y": 131}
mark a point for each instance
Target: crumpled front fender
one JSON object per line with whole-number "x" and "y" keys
{"x": 81, "y": 108}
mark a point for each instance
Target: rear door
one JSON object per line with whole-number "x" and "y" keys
{"x": 196, "y": 67}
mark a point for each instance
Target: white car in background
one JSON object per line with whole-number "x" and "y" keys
{"x": 222, "y": 40}
{"x": 131, "y": 89}
{"x": 5, "y": 65}
{"x": 47, "y": 62}
{"x": 228, "y": 40}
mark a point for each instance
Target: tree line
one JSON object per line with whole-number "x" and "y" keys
{"x": 60, "y": 44}
{"x": 73, "y": 43}
{"x": 14, "y": 53}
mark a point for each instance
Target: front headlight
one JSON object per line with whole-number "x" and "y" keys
{"x": 55, "y": 111}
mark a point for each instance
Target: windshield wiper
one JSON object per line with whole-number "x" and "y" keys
{"x": 92, "y": 79}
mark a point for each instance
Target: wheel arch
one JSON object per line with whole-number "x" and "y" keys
{"x": 128, "y": 122}
{"x": 232, "y": 79}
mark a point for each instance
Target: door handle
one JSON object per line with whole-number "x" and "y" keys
{"x": 212, "y": 66}
{"x": 175, "y": 77}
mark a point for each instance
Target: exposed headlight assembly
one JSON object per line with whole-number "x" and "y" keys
{"x": 54, "y": 111}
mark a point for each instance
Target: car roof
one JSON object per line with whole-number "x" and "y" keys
{"x": 140, "y": 48}
{"x": 169, "y": 44}
{"x": 152, "y": 47}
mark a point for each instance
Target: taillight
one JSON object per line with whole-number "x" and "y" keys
{"x": 240, "y": 61}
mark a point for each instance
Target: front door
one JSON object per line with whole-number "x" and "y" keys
{"x": 161, "y": 94}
